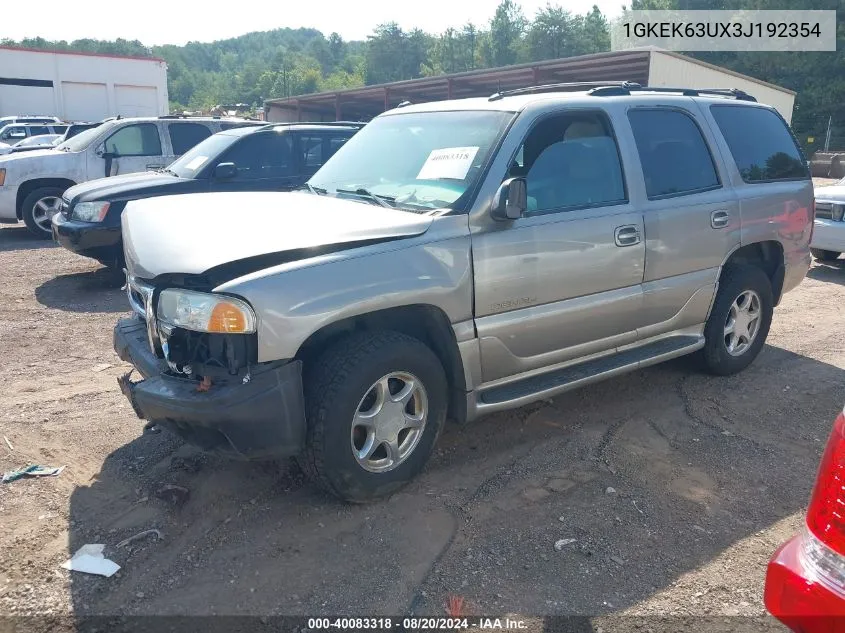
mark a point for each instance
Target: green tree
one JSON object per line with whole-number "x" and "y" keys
{"x": 553, "y": 33}
{"x": 506, "y": 30}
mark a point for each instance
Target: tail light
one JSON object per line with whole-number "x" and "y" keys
{"x": 812, "y": 220}
{"x": 826, "y": 513}
{"x": 805, "y": 582}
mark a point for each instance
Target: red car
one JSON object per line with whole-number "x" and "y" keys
{"x": 805, "y": 581}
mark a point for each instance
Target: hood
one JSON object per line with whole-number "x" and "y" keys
{"x": 833, "y": 193}
{"x": 239, "y": 232}
{"x": 124, "y": 187}
{"x": 42, "y": 156}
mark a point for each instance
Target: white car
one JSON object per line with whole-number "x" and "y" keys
{"x": 41, "y": 141}
{"x": 32, "y": 183}
{"x": 828, "y": 241}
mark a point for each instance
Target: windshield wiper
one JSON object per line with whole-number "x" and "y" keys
{"x": 167, "y": 170}
{"x": 318, "y": 191}
{"x": 384, "y": 201}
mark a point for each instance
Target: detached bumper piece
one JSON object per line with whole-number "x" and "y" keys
{"x": 261, "y": 418}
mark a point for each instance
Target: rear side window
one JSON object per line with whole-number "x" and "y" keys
{"x": 38, "y": 130}
{"x": 135, "y": 140}
{"x": 335, "y": 144}
{"x": 312, "y": 150}
{"x": 760, "y": 143}
{"x": 673, "y": 153}
{"x": 183, "y": 136}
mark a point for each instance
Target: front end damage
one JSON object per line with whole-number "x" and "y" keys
{"x": 209, "y": 388}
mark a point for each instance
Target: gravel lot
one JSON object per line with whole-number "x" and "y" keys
{"x": 675, "y": 486}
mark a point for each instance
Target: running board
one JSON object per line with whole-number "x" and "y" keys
{"x": 557, "y": 381}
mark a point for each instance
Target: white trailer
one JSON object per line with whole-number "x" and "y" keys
{"x": 81, "y": 86}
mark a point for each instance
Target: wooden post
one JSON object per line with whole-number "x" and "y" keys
{"x": 535, "y": 75}
{"x": 337, "y": 111}
{"x": 298, "y": 111}
{"x": 449, "y": 85}
{"x": 386, "y": 98}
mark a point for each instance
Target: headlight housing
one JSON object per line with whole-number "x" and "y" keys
{"x": 205, "y": 312}
{"x": 837, "y": 211}
{"x": 90, "y": 211}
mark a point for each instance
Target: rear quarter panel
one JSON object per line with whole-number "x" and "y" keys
{"x": 780, "y": 211}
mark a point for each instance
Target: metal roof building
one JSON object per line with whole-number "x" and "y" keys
{"x": 647, "y": 66}
{"x": 80, "y": 86}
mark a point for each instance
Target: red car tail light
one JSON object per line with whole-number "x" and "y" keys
{"x": 826, "y": 513}
{"x": 805, "y": 581}
{"x": 812, "y": 220}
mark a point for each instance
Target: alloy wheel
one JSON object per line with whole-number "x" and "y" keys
{"x": 743, "y": 323}
{"x": 389, "y": 422}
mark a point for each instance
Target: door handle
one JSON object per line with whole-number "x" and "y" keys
{"x": 626, "y": 235}
{"x": 720, "y": 219}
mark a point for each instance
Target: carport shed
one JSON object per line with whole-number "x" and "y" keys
{"x": 648, "y": 66}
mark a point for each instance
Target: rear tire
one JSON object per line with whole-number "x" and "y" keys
{"x": 350, "y": 459}
{"x": 733, "y": 336}
{"x": 823, "y": 255}
{"x": 38, "y": 209}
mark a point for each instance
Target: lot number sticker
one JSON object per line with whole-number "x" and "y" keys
{"x": 448, "y": 162}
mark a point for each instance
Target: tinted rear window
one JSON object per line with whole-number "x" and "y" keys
{"x": 183, "y": 136}
{"x": 673, "y": 153}
{"x": 761, "y": 143}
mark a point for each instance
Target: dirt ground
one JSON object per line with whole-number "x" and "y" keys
{"x": 675, "y": 486}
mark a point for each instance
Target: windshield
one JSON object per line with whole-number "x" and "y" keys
{"x": 44, "y": 139}
{"x": 82, "y": 140}
{"x": 420, "y": 161}
{"x": 191, "y": 162}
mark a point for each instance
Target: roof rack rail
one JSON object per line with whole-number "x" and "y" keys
{"x": 327, "y": 123}
{"x": 573, "y": 85}
{"x": 195, "y": 116}
{"x": 611, "y": 91}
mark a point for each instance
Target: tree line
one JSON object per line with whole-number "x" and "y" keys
{"x": 286, "y": 62}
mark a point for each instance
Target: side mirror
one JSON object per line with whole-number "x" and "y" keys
{"x": 511, "y": 200}
{"x": 109, "y": 158}
{"x": 225, "y": 171}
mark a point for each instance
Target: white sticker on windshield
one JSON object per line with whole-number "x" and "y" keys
{"x": 448, "y": 162}
{"x": 196, "y": 163}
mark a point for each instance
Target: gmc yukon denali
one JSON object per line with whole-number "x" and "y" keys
{"x": 458, "y": 258}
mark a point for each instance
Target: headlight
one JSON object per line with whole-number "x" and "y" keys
{"x": 90, "y": 211}
{"x": 203, "y": 312}
{"x": 837, "y": 211}
{"x": 2, "y": 177}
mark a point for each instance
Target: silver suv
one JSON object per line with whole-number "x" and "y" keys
{"x": 459, "y": 258}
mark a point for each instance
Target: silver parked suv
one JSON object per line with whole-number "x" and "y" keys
{"x": 458, "y": 258}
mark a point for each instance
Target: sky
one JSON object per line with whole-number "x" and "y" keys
{"x": 156, "y": 22}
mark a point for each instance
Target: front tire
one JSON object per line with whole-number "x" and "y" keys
{"x": 823, "y": 255}
{"x": 38, "y": 209}
{"x": 375, "y": 405}
{"x": 739, "y": 321}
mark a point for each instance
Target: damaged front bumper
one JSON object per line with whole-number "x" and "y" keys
{"x": 255, "y": 418}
